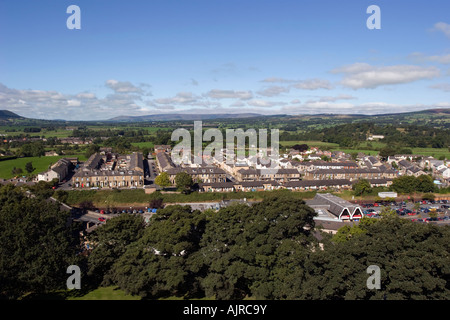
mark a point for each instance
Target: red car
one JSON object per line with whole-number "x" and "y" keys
{"x": 101, "y": 219}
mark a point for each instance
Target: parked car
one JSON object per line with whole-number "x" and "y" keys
{"x": 102, "y": 219}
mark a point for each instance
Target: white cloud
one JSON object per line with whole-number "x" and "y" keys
{"x": 229, "y": 94}
{"x": 264, "y": 103}
{"x": 336, "y": 98}
{"x": 317, "y": 107}
{"x": 313, "y": 84}
{"x": 180, "y": 98}
{"x": 307, "y": 84}
{"x": 86, "y": 95}
{"x": 441, "y": 86}
{"x": 363, "y": 75}
{"x": 443, "y": 27}
{"x": 273, "y": 91}
{"x": 55, "y": 105}
{"x": 73, "y": 103}
{"x": 420, "y": 57}
{"x": 237, "y": 104}
{"x": 123, "y": 87}
{"x": 278, "y": 80}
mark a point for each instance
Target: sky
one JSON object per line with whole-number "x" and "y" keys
{"x": 141, "y": 57}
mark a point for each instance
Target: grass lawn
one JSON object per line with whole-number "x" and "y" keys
{"x": 309, "y": 143}
{"x": 107, "y": 293}
{"x": 125, "y": 198}
{"x": 349, "y": 151}
{"x": 373, "y": 144}
{"x": 436, "y": 153}
{"x": 147, "y": 144}
{"x": 40, "y": 164}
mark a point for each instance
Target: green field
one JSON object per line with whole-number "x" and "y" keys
{"x": 350, "y": 151}
{"x": 147, "y": 144}
{"x": 126, "y": 197}
{"x": 309, "y": 143}
{"x": 436, "y": 153}
{"x": 61, "y": 133}
{"x": 40, "y": 164}
{"x": 107, "y": 293}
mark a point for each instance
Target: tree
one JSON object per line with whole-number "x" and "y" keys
{"x": 184, "y": 182}
{"x": 346, "y": 233}
{"x": 145, "y": 152}
{"x": 93, "y": 148}
{"x": 29, "y": 167}
{"x": 156, "y": 203}
{"x": 37, "y": 244}
{"x": 404, "y": 184}
{"x": 362, "y": 187}
{"x": 300, "y": 147}
{"x": 425, "y": 183}
{"x": 110, "y": 242}
{"x": 158, "y": 264}
{"x": 86, "y": 205}
{"x": 279, "y": 239}
{"x": 163, "y": 180}
{"x": 428, "y": 196}
{"x": 412, "y": 258}
{"x": 387, "y": 152}
{"x": 221, "y": 262}
{"x": 256, "y": 251}
{"x": 16, "y": 171}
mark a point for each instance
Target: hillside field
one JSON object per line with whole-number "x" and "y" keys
{"x": 40, "y": 164}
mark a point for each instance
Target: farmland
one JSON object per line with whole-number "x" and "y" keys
{"x": 39, "y": 163}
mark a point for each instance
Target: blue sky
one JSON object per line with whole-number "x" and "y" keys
{"x": 222, "y": 56}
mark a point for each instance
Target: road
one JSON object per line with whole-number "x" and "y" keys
{"x": 151, "y": 171}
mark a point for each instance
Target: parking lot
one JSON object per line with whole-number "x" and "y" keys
{"x": 414, "y": 211}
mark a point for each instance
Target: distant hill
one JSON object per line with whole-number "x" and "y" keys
{"x": 6, "y": 114}
{"x": 181, "y": 116}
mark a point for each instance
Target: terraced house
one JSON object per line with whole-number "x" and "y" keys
{"x": 350, "y": 174}
{"x": 279, "y": 175}
{"x": 111, "y": 171}
{"x": 206, "y": 174}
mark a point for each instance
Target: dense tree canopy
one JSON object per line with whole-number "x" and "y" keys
{"x": 37, "y": 245}
{"x": 413, "y": 259}
{"x": 184, "y": 182}
{"x": 362, "y": 187}
{"x": 157, "y": 264}
{"x": 163, "y": 180}
{"x": 409, "y": 184}
{"x": 269, "y": 250}
{"x": 110, "y": 243}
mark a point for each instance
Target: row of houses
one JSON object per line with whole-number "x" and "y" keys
{"x": 110, "y": 171}
{"x": 207, "y": 174}
{"x": 301, "y": 185}
{"x": 279, "y": 175}
{"x": 351, "y": 174}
